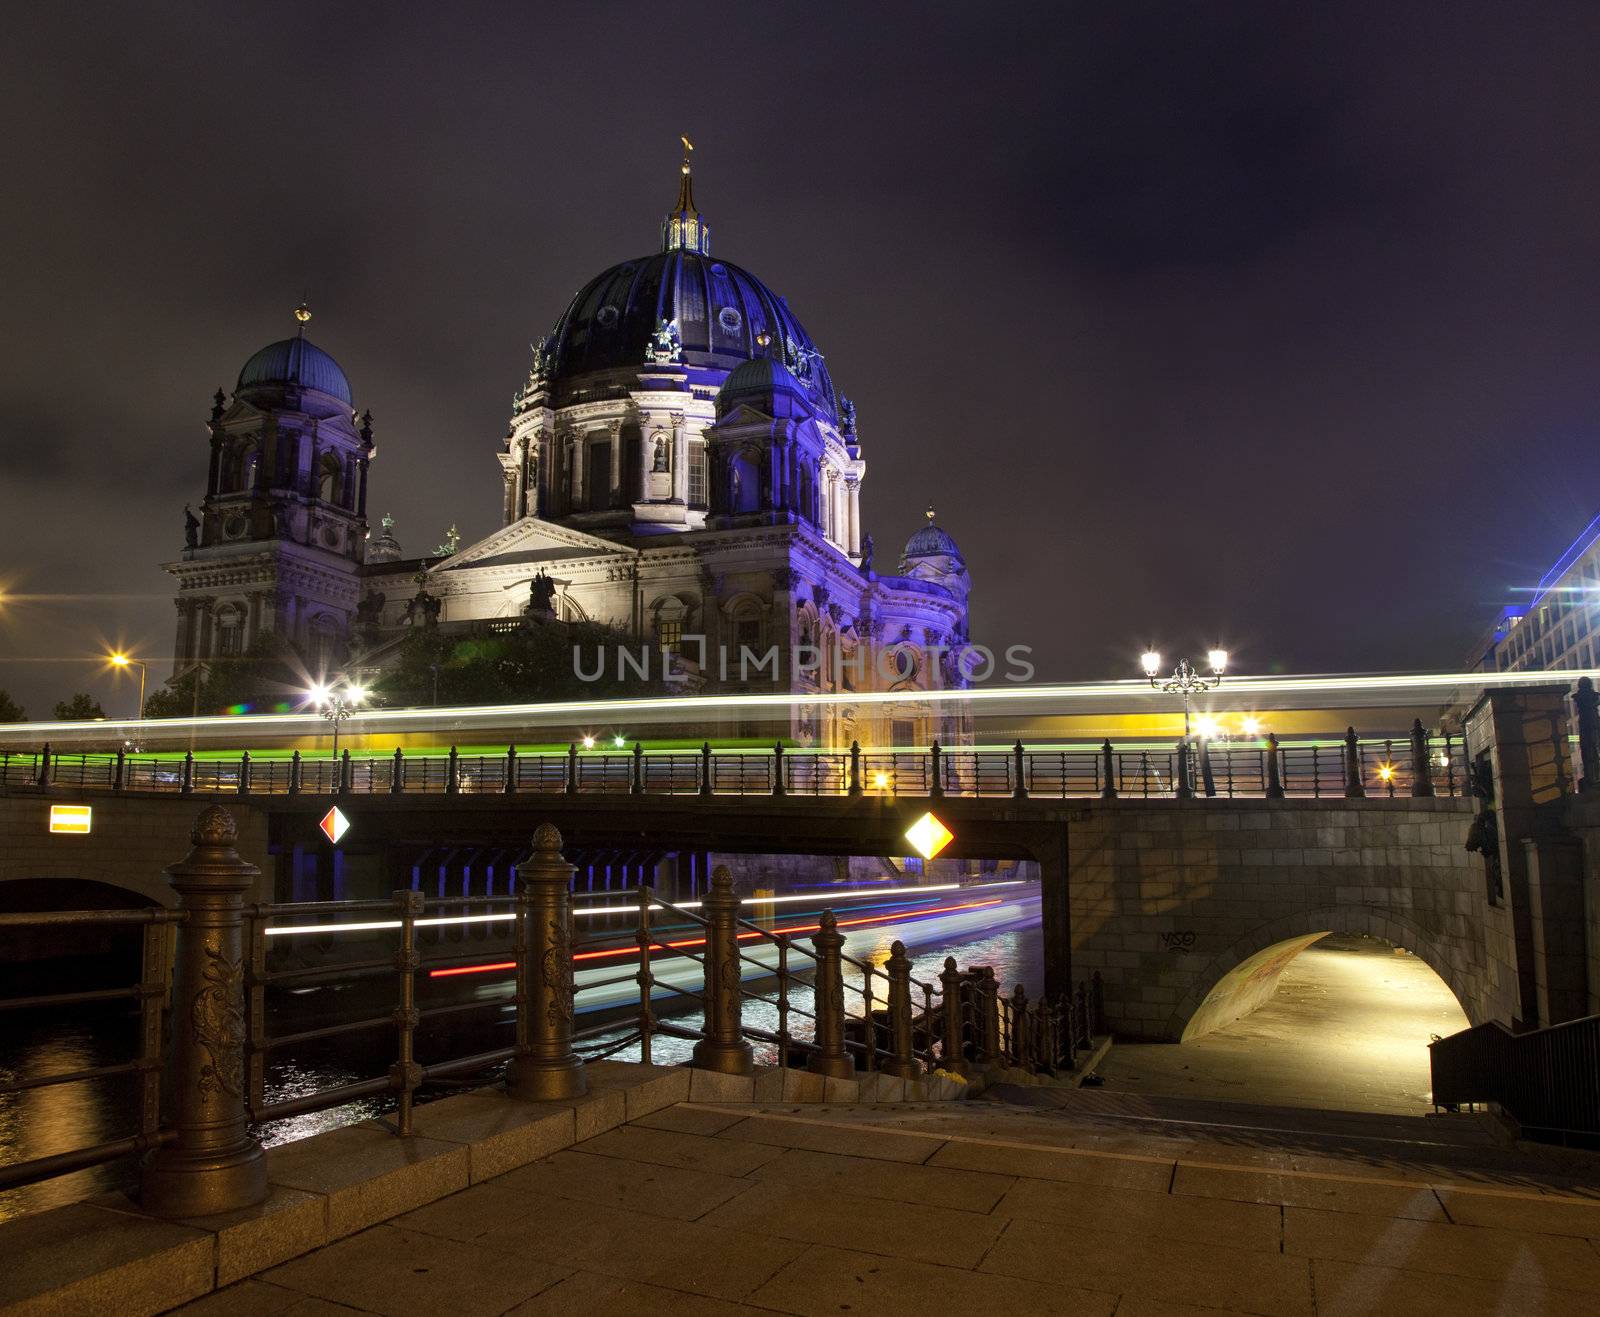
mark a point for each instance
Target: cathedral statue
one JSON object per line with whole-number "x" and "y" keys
{"x": 541, "y": 595}
{"x": 866, "y": 555}
{"x": 191, "y": 529}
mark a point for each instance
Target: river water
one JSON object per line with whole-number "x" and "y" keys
{"x": 41, "y": 1121}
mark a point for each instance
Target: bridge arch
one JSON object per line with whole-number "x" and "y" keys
{"x": 1244, "y": 976}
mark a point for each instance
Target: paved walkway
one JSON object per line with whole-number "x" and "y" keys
{"x": 1083, "y": 1203}
{"x": 1348, "y": 1027}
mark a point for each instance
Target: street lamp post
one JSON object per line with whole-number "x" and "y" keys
{"x": 121, "y": 660}
{"x": 1185, "y": 680}
{"x": 336, "y": 703}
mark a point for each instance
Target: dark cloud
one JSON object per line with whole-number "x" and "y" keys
{"x": 1263, "y": 322}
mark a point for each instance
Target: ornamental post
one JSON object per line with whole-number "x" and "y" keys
{"x": 723, "y": 1047}
{"x": 121, "y": 778}
{"x": 989, "y": 1013}
{"x": 187, "y": 784}
{"x": 1352, "y": 765}
{"x": 244, "y": 773}
{"x": 705, "y": 768}
{"x": 452, "y": 771}
{"x": 544, "y": 1067}
{"x": 397, "y": 772}
{"x": 902, "y": 1061}
{"x": 509, "y": 786}
{"x": 44, "y": 765}
{"x": 572, "y": 768}
{"x": 1274, "y": 787}
{"x": 1182, "y": 789}
{"x": 1421, "y": 766}
{"x": 213, "y": 1164}
{"x": 1108, "y": 766}
{"x": 343, "y": 766}
{"x": 294, "y": 773}
{"x": 952, "y": 1052}
{"x": 1020, "y": 791}
{"x": 830, "y": 1058}
{"x": 936, "y": 767}
{"x": 636, "y": 778}
{"x": 1208, "y": 779}
{"x": 778, "y": 787}
{"x": 855, "y": 768}
{"x": 1587, "y": 701}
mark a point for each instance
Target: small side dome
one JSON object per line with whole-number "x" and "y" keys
{"x": 298, "y": 362}
{"x": 384, "y": 547}
{"x": 760, "y": 378}
{"x": 931, "y": 542}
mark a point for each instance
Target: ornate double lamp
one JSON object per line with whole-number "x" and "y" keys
{"x": 1185, "y": 680}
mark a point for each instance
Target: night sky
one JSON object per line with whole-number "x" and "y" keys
{"x": 1275, "y": 325}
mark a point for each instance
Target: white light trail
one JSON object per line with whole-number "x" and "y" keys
{"x": 1136, "y": 692}
{"x": 379, "y": 925}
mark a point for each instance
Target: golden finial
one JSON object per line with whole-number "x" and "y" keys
{"x": 302, "y": 313}
{"x": 688, "y": 146}
{"x": 929, "y": 514}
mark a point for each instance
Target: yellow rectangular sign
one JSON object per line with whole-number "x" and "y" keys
{"x": 72, "y": 819}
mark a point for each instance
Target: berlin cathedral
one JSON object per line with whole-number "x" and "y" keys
{"x": 678, "y": 464}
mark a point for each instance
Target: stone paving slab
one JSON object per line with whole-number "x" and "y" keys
{"x": 691, "y": 1151}
{"x": 1346, "y": 1289}
{"x": 1332, "y": 1193}
{"x": 592, "y": 1293}
{"x": 256, "y": 1298}
{"x": 401, "y": 1272}
{"x": 938, "y": 1186}
{"x": 1141, "y": 1212}
{"x": 825, "y": 1280}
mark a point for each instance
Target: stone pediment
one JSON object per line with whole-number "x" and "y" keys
{"x": 531, "y": 540}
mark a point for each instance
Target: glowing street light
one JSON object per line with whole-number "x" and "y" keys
{"x": 1185, "y": 680}
{"x": 121, "y": 660}
{"x": 619, "y": 741}
{"x": 336, "y": 703}
{"x": 588, "y": 743}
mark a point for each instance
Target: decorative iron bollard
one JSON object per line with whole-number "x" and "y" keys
{"x": 636, "y": 779}
{"x": 1020, "y": 791}
{"x": 1587, "y": 700}
{"x": 705, "y": 768}
{"x": 121, "y": 778}
{"x": 343, "y": 769}
{"x": 902, "y": 1061}
{"x": 452, "y": 771}
{"x": 509, "y": 786}
{"x": 187, "y": 785}
{"x": 1183, "y": 789}
{"x": 1421, "y": 765}
{"x": 936, "y": 769}
{"x": 43, "y": 779}
{"x": 1108, "y": 766}
{"x": 1353, "y": 787}
{"x": 572, "y": 769}
{"x": 723, "y": 1048}
{"x": 397, "y": 772}
{"x": 296, "y": 770}
{"x": 1274, "y": 787}
{"x": 213, "y": 1165}
{"x": 952, "y": 1050}
{"x": 545, "y": 1068}
{"x": 779, "y": 788}
{"x": 244, "y": 773}
{"x": 830, "y": 1058}
{"x": 855, "y": 768}
{"x": 989, "y": 1013}
{"x": 1208, "y": 781}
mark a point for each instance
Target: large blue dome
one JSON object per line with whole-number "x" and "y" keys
{"x": 722, "y": 314}
{"x": 298, "y": 362}
{"x": 932, "y": 541}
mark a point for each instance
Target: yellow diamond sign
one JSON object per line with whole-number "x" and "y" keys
{"x": 929, "y": 836}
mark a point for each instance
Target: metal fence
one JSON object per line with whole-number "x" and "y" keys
{"x": 1549, "y": 1079}
{"x": 235, "y": 961}
{"x": 1411, "y": 766}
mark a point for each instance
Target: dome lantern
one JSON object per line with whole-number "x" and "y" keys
{"x": 683, "y": 229}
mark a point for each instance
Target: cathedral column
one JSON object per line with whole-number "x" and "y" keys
{"x": 575, "y": 449}
{"x": 616, "y": 462}
{"x": 646, "y": 463}
{"x": 854, "y": 488}
{"x": 508, "y": 499}
{"x": 361, "y": 501}
{"x": 680, "y": 460}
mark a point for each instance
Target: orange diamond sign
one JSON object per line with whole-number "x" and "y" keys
{"x": 334, "y": 825}
{"x": 929, "y": 836}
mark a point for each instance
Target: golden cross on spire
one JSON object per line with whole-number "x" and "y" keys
{"x": 302, "y": 313}
{"x": 929, "y": 514}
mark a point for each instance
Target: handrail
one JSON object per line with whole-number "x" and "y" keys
{"x": 1413, "y": 764}
{"x": 1548, "y": 1079}
{"x": 231, "y": 960}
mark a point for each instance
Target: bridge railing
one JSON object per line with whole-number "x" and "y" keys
{"x": 1408, "y": 766}
{"x": 1548, "y": 1079}
{"x": 240, "y": 1006}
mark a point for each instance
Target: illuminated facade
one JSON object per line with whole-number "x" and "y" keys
{"x": 678, "y": 463}
{"x": 1559, "y": 628}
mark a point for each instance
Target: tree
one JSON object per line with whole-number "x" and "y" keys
{"x": 271, "y": 676}
{"x": 80, "y": 708}
{"x": 10, "y": 710}
{"x": 534, "y": 662}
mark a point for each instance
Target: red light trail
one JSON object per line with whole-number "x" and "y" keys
{"x": 457, "y": 970}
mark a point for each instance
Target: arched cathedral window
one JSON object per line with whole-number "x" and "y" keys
{"x": 328, "y": 481}
{"x": 230, "y": 631}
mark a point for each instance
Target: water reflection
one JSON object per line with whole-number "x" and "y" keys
{"x": 38, "y": 1122}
